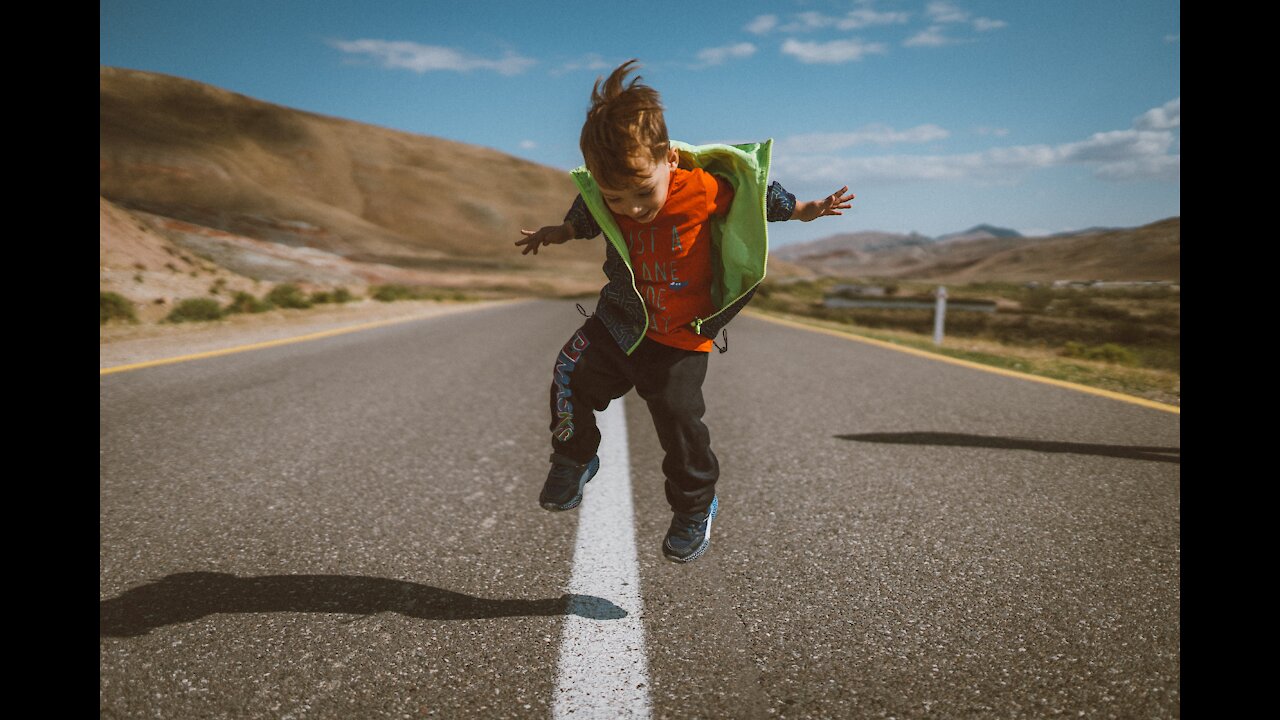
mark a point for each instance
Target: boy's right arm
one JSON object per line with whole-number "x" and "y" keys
{"x": 578, "y": 223}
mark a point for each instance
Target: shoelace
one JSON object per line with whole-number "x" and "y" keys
{"x": 565, "y": 473}
{"x": 690, "y": 525}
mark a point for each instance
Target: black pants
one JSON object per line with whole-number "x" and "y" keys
{"x": 591, "y": 370}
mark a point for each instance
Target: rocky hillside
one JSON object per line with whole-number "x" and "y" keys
{"x": 266, "y": 192}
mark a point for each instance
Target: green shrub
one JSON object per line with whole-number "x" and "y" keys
{"x": 114, "y": 306}
{"x": 343, "y": 295}
{"x": 243, "y": 302}
{"x": 1037, "y": 299}
{"x": 391, "y": 293}
{"x": 288, "y": 295}
{"x": 1103, "y": 312}
{"x": 1166, "y": 317}
{"x": 195, "y": 310}
{"x": 1107, "y": 352}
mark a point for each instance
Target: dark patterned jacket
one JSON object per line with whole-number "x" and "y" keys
{"x": 740, "y": 245}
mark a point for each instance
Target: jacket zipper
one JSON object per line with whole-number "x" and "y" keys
{"x": 622, "y": 253}
{"x": 626, "y": 260}
{"x": 697, "y": 322}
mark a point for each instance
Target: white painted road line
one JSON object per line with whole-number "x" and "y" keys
{"x": 604, "y": 671}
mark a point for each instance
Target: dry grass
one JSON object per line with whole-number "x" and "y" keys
{"x": 1158, "y": 385}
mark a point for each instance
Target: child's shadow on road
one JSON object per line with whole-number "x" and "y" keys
{"x": 185, "y": 597}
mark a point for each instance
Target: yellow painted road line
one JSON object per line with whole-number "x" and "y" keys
{"x": 970, "y": 364}
{"x": 266, "y": 344}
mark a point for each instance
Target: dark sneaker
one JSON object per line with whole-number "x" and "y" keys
{"x": 563, "y": 489}
{"x": 690, "y": 534}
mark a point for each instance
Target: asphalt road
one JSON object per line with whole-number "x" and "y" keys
{"x": 349, "y": 528}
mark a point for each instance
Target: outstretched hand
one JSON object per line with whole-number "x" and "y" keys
{"x": 829, "y": 205}
{"x": 534, "y": 239}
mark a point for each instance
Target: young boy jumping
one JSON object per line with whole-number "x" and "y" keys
{"x": 686, "y": 247}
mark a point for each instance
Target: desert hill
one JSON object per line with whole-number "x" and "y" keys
{"x": 272, "y": 193}
{"x": 1150, "y": 252}
{"x": 847, "y": 245}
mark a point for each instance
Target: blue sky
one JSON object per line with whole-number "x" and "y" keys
{"x": 939, "y": 114}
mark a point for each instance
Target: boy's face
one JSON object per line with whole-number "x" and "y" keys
{"x": 647, "y": 193}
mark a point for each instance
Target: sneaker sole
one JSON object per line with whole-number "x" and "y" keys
{"x": 592, "y": 469}
{"x": 706, "y": 540}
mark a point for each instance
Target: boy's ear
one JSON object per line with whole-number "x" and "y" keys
{"x": 673, "y": 158}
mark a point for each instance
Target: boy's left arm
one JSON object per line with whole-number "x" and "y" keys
{"x": 779, "y": 200}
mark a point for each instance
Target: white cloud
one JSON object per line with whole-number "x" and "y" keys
{"x": 869, "y": 135}
{"x": 943, "y": 11}
{"x": 852, "y": 20}
{"x": 929, "y": 37}
{"x": 718, "y": 55}
{"x": 836, "y": 51}
{"x": 402, "y": 54}
{"x": 590, "y": 61}
{"x": 762, "y": 24}
{"x": 990, "y": 164}
{"x": 868, "y": 18}
{"x": 1139, "y": 153}
{"x": 802, "y": 22}
{"x": 1118, "y": 145}
{"x": 1165, "y": 117}
{"x": 1166, "y": 167}
{"x": 528, "y": 145}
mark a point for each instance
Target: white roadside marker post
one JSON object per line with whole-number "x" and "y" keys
{"x": 939, "y": 315}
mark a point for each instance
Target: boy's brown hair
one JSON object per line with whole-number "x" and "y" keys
{"x": 623, "y": 124}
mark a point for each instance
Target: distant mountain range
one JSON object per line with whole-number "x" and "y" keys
{"x": 978, "y": 232}
{"x": 986, "y": 252}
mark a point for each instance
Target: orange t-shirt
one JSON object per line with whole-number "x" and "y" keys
{"x": 671, "y": 257}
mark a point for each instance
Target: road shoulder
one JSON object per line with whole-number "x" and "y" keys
{"x": 127, "y": 345}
